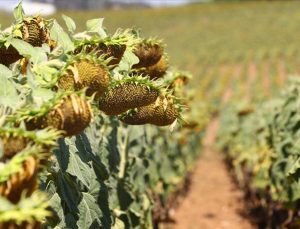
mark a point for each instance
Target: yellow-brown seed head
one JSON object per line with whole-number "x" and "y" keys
{"x": 22, "y": 182}
{"x": 13, "y": 145}
{"x": 126, "y": 96}
{"x": 84, "y": 73}
{"x": 113, "y": 51}
{"x": 148, "y": 54}
{"x": 72, "y": 115}
{"x": 34, "y": 31}
{"x": 157, "y": 70}
{"x": 162, "y": 112}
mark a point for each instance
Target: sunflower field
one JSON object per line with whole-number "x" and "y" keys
{"x": 96, "y": 130}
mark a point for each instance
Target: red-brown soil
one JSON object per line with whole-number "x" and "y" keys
{"x": 282, "y": 73}
{"x": 214, "y": 201}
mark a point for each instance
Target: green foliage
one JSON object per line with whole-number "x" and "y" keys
{"x": 114, "y": 167}
{"x": 264, "y": 145}
{"x": 27, "y": 210}
{"x": 107, "y": 175}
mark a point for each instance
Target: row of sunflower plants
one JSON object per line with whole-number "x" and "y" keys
{"x": 88, "y": 126}
{"x": 261, "y": 142}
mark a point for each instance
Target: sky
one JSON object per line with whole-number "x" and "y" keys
{"x": 10, "y": 3}
{"x": 32, "y": 8}
{"x": 29, "y": 8}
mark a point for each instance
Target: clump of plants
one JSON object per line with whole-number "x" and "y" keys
{"x": 69, "y": 155}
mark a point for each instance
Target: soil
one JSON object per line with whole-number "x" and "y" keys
{"x": 266, "y": 79}
{"x": 282, "y": 73}
{"x": 214, "y": 201}
{"x": 228, "y": 93}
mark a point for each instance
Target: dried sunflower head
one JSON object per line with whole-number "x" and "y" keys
{"x": 128, "y": 93}
{"x": 85, "y": 71}
{"x": 112, "y": 48}
{"x": 163, "y": 112}
{"x": 149, "y": 52}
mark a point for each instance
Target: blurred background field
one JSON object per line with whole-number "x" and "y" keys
{"x": 223, "y": 44}
{"x": 198, "y": 34}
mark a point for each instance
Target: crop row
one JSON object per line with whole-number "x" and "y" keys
{"x": 261, "y": 143}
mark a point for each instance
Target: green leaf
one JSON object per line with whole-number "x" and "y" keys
{"x": 68, "y": 191}
{"x": 119, "y": 224}
{"x": 8, "y": 93}
{"x": 46, "y": 73}
{"x": 17, "y": 33}
{"x": 71, "y": 162}
{"x": 95, "y": 26}
{"x": 128, "y": 60}
{"x": 89, "y": 212}
{"x": 36, "y": 54}
{"x": 85, "y": 152}
{"x": 1, "y": 149}
{"x": 69, "y": 23}
{"x": 19, "y": 12}
{"x": 58, "y": 34}
{"x": 42, "y": 95}
{"x": 5, "y": 71}
{"x": 55, "y": 204}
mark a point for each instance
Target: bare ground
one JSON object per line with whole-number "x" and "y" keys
{"x": 214, "y": 202}
{"x": 266, "y": 79}
{"x": 282, "y": 73}
{"x": 229, "y": 93}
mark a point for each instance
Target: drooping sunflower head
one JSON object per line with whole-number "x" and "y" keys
{"x": 149, "y": 52}
{"x": 111, "y": 47}
{"x": 33, "y": 30}
{"x": 14, "y": 215}
{"x": 128, "y": 93}
{"x": 163, "y": 112}
{"x": 69, "y": 112}
{"x": 85, "y": 71}
{"x": 155, "y": 71}
{"x": 16, "y": 139}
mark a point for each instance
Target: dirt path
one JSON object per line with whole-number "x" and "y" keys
{"x": 236, "y": 71}
{"x": 282, "y": 73}
{"x": 266, "y": 79}
{"x": 214, "y": 202}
